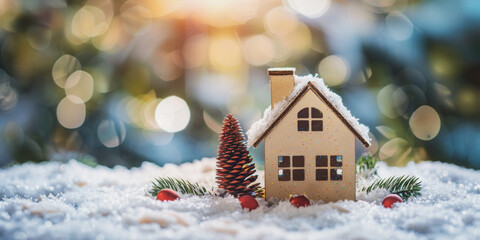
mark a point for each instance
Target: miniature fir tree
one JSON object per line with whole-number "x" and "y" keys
{"x": 234, "y": 164}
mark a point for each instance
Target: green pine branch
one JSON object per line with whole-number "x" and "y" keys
{"x": 367, "y": 163}
{"x": 179, "y": 185}
{"x": 404, "y": 186}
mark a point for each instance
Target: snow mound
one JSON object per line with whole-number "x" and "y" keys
{"x": 269, "y": 116}
{"x": 73, "y": 201}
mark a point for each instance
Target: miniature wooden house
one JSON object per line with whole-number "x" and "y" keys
{"x": 309, "y": 140}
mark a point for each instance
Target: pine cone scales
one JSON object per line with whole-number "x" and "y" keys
{"x": 234, "y": 164}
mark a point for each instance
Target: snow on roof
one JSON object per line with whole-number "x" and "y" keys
{"x": 282, "y": 69}
{"x": 270, "y": 115}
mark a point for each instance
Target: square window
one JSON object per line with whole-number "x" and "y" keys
{"x": 298, "y": 161}
{"x": 302, "y": 125}
{"x": 317, "y": 125}
{"x": 336, "y": 174}
{"x": 321, "y": 161}
{"x": 283, "y": 161}
{"x": 298, "y": 174}
{"x": 321, "y": 175}
{"x": 336, "y": 161}
{"x": 283, "y": 175}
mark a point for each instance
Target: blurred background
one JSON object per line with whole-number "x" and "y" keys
{"x": 121, "y": 82}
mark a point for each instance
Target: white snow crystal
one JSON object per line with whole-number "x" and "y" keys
{"x": 44, "y": 201}
{"x": 269, "y": 116}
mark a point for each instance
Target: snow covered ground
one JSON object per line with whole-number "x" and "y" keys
{"x": 73, "y": 201}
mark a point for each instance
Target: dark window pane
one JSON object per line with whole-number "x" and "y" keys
{"x": 298, "y": 161}
{"x": 283, "y": 175}
{"x": 321, "y": 161}
{"x": 283, "y": 161}
{"x": 321, "y": 175}
{"x": 336, "y": 161}
{"x": 303, "y": 113}
{"x": 302, "y": 125}
{"x": 317, "y": 125}
{"x": 336, "y": 174}
{"x": 298, "y": 175}
{"x": 316, "y": 113}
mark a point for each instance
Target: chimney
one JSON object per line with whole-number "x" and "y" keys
{"x": 281, "y": 83}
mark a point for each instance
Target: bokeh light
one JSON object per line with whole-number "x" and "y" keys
{"x": 79, "y": 86}
{"x": 399, "y": 26}
{"x": 395, "y": 151}
{"x": 385, "y": 101}
{"x": 195, "y": 51}
{"x": 334, "y": 70}
{"x": 259, "y": 50}
{"x": 63, "y": 67}
{"x": 71, "y": 114}
{"x": 279, "y": 21}
{"x": 468, "y": 100}
{"x": 111, "y": 133}
{"x": 373, "y": 148}
{"x": 172, "y": 114}
{"x": 215, "y": 126}
{"x": 108, "y": 41}
{"x": 225, "y": 53}
{"x": 310, "y": 8}
{"x": 425, "y": 123}
{"x": 88, "y": 22}
{"x": 8, "y": 94}
{"x": 39, "y": 37}
{"x": 136, "y": 19}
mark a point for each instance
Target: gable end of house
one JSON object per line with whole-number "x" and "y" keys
{"x": 311, "y": 86}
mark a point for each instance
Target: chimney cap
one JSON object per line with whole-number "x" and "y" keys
{"x": 281, "y": 71}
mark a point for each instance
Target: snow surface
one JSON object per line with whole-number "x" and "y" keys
{"x": 73, "y": 201}
{"x": 269, "y": 116}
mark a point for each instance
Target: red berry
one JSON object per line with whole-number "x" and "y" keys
{"x": 248, "y": 202}
{"x": 299, "y": 201}
{"x": 167, "y": 195}
{"x": 391, "y": 199}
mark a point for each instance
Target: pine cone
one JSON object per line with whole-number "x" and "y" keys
{"x": 234, "y": 164}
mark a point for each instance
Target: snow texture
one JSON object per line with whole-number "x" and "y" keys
{"x": 73, "y": 201}
{"x": 269, "y": 116}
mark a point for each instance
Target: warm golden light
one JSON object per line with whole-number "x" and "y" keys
{"x": 71, "y": 114}
{"x": 385, "y": 101}
{"x": 63, "y": 67}
{"x": 425, "y": 123}
{"x": 108, "y": 40}
{"x": 225, "y": 52}
{"x": 280, "y": 22}
{"x": 79, "y": 86}
{"x": 135, "y": 19}
{"x": 334, "y": 70}
{"x": 259, "y": 50}
{"x": 195, "y": 51}
{"x": 88, "y": 22}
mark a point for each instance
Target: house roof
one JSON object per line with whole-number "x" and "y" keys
{"x": 260, "y": 129}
